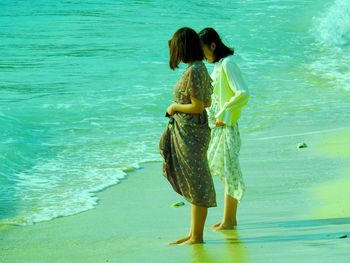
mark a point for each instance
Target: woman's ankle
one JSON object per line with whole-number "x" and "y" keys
{"x": 196, "y": 238}
{"x": 229, "y": 222}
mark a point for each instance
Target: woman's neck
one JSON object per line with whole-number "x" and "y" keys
{"x": 193, "y": 62}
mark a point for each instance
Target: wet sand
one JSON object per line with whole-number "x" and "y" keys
{"x": 295, "y": 210}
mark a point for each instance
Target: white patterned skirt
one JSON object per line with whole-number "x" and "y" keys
{"x": 223, "y": 158}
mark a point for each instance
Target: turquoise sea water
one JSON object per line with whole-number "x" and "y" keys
{"x": 84, "y": 86}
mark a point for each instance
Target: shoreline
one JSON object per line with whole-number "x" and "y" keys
{"x": 134, "y": 220}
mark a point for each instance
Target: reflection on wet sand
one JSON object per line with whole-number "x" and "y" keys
{"x": 222, "y": 250}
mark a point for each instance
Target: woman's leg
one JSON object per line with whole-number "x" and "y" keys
{"x": 229, "y": 220}
{"x": 199, "y": 215}
{"x": 230, "y": 175}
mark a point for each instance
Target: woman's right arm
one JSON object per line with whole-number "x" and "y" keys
{"x": 196, "y": 106}
{"x": 238, "y": 86}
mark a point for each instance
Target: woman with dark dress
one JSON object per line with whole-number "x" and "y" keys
{"x": 185, "y": 141}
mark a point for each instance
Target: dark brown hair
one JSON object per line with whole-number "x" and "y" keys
{"x": 208, "y": 36}
{"x": 185, "y": 46}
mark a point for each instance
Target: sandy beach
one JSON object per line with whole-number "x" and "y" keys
{"x": 84, "y": 88}
{"x": 295, "y": 210}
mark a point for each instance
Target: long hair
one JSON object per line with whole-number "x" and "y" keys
{"x": 184, "y": 46}
{"x": 208, "y": 36}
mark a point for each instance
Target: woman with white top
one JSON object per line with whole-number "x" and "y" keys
{"x": 229, "y": 97}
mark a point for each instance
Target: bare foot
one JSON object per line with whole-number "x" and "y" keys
{"x": 216, "y": 225}
{"x": 193, "y": 241}
{"x": 180, "y": 241}
{"x": 223, "y": 226}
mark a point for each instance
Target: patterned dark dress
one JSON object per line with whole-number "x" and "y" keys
{"x": 184, "y": 142}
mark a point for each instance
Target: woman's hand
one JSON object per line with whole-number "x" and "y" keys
{"x": 171, "y": 109}
{"x": 207, "y": 104}
{"x": 219, "y": 123}
{"x": 195, "y": 107}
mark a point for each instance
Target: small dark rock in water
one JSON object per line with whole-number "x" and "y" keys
{"x": 343, "y": 236}
{"x": 302, "y": 145}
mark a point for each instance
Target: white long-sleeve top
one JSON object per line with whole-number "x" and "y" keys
{"x": 230, "y": 91}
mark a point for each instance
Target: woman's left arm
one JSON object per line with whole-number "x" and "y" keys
{"x": 196, "y": 107}
{"x": 236, "y": 83}
{"x": 196, "y": 90}
{"x": 238, "y": 86}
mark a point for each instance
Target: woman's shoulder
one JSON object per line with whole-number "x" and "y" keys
{"x": 229, "y": 64}
{"x": 197, "y": 65}
{"x": 196, "y": 68}
{"x": 227, "y": 61}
